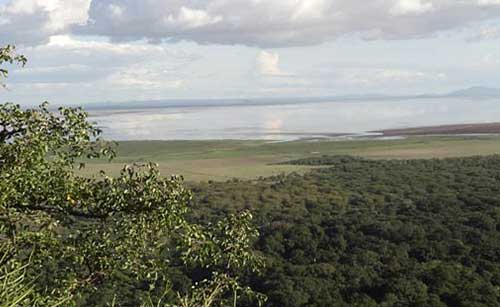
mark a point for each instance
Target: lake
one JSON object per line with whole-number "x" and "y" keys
{"x": 290, "y": 121}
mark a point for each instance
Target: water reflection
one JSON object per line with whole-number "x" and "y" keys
{"x": 284, "y": 122}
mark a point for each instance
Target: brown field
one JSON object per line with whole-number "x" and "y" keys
{"x": 486, "y": 128}
{"x": 223, "y": 160}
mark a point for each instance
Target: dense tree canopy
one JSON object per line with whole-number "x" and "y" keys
{"x": 373, "y": 233}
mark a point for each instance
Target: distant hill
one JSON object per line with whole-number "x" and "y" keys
{"x": 476, "y": 91}
{"x": 211, "y": 102}
{"x": 472, "y": 92}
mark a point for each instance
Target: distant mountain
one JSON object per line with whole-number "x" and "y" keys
{"x": 476, "y": 91}
{"x": 472, "y": 92}
{"x": 211, "y": 102}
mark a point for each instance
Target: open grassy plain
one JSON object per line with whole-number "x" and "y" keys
{"x": 226, "y": 159}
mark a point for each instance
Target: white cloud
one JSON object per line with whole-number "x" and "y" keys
{"x": 32, "y": 22}
{"x": 310, "y": 10}
{"x": 488, "y": 2}
{"x": 485, "y": 33}
{"x": 66, "y": 42}
{"x": 142, "y": 78}
{"x": 379, "y": 76}
{"x": 268, "y": 64}
{"x": 408, "y": 7}
{"x": 272, "y": 78}
{"x": 70, "y": 70}
{"x": 260, "y": 23}
{"x": 190, "y": 19}
{"x": 115, "y": 10}
{"x": 491, "y": 59}
{"x": 282, "y": 22}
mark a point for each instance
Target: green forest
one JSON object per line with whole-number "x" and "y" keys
{"x": 355, "y": 232}
{"x": 373, "y": 233}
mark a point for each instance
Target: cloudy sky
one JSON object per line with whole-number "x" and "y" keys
{"x": 83, "y": 51}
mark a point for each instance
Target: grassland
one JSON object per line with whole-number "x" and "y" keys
{"x": 226, "y": 159}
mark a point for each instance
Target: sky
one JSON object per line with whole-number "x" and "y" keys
{"x": 86, "y": 51}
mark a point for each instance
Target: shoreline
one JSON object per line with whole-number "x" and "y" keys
{"x": 470, "y": 129}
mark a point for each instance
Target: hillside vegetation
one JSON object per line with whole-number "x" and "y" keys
{"x": 373, "y": 233}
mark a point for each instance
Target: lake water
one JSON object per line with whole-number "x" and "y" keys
{"x": 290, "y": 121}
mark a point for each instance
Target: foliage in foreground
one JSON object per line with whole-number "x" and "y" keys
{"x": 101, "y": 241}
{"x": 8, "y": 55}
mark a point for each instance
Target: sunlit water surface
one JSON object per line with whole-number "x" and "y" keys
{"x": 290, "y": 121}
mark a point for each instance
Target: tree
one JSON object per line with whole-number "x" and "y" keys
{"x": 8, "y": 55}
{"x": 84, "y": 236}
